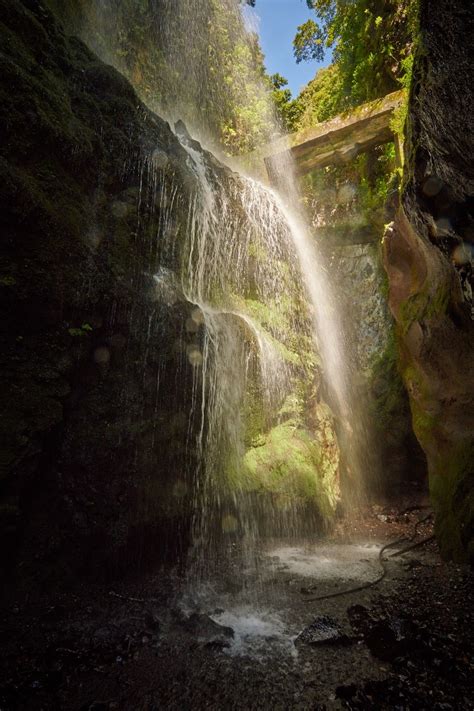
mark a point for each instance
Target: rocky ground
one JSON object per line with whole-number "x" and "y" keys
{"x": 251, "y": 639}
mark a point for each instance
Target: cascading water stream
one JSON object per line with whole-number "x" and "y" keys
{"x": 328, "y": 333}
{"x": 263, "y": 316}
{"x": 216, "y": 278}
{"x": 237, "y": 268}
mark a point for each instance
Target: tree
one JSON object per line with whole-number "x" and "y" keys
{"x": 370, "y": 40}
{"x": 309, "y": 42}
{"x": 321, "y": 99}
{"x": 287, "y": 109}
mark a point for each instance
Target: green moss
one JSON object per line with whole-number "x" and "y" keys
{"x": 292, "y": 407}
{"x": 351, "y": 199}
{"x": 450, "y": 474}
{"x": 423, "y": 424}
{"x": 255, "y": 417}
{"x": 424, "y": 420}
{"x": 7, "y": 281}
{"x": 453, "y": 498}
{"x": 257, "y": 251}
{"x": 438, "y": 302}
{"x": 423, "y": 305}
{"x": 291, "y": 464}
{"x": 83, "y": 330}
{"x": 387, "y": 383}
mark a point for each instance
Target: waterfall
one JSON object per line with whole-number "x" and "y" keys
{"x": 263, "y": 335}
{"x": 330, "y": 339}
{"x": 253, "y": 330}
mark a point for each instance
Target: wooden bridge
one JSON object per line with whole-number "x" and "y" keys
{"x": 336, "y": 141}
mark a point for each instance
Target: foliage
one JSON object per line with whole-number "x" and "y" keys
{"x": 398, "y": 120}
{"x": 287, "y": 109}
{"x": 212, "y": 77}
{"x": 309, "y": 42}
{"x": 320, "y": 99}
{"x": 83, "y": 330}
{"x": 372, "y": 50}
{"x": 375, "y": 170}
{"x": 369, "y": 38}
{"x": 351, "y": 197}
{"x": 372, "y": 45}
{"x": 241, "y": 95}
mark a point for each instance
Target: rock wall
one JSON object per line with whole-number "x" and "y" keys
{"x": 92, "y": 449}
{"x": 428, "y": 257}
{"x": 358, "y": 276}
{"x": 348, "y": 206}
{"x": 100, "y": 375}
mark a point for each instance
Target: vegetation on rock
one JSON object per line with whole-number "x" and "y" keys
{"x": 430, "y": 286}
{"x": 371, "y": 44}
{"x": 151, "y": 44}
{"x": 86, "y": 238}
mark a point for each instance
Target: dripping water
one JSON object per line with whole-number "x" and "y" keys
{"x": 246, "y": 246}
{"x": 239, "y": 259}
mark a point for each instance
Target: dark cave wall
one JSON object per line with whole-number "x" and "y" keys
{"x": 91, "y": 447}
{"x": 429, "y": 257}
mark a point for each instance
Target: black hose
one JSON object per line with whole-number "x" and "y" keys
{"x": 382, "y": 563}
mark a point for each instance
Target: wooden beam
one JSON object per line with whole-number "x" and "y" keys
{"x": 336, "y": 141}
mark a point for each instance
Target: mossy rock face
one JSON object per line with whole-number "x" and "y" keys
{"x": 85, "y": 335}
{"x": 98, "y": 389}
{"x": 430, "y": 276}
{"x": 297, "y": 466}
{"x": 392, "y": 454}
{"x": 452, "y": 493}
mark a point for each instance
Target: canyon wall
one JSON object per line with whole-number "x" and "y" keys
{"x": 429, "y": 253}
{"x": 101, "y": 351}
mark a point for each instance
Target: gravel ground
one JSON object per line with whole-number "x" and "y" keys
{"x": 252, "y": 640}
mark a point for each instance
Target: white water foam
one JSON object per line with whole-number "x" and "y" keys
{"x": 255, "y": 630}
{"x": 327, "y": 561}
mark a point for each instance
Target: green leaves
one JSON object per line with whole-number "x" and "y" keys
{"x": 321, "y": 99}
{"x": 370, "y": 39}
{"x": 287, "y": 109}
{"x": 309, "y": 42}
{"x": 83, "y": 330}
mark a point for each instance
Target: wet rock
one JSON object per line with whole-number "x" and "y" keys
{"x": 104, "y": 634}
{"x": 430, "y": 282}
{"x": 207, "y": 632}
{"x": 358, "y": 615}
{"x": 387, "y": 639}
{"x": 159, "y": 159}
{"x": 412, "y": 564}
{"x": 152, "y": 621}
{"x": 346, "y": 691}
{"x": 60, "y": 340}
{"x": 323, "y": 630}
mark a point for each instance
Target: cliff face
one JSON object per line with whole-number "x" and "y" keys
{"x": 395, "y": 456}
{"x": 91, "y": 448}
{"x": 428, "y": 257}
{"x": 102, "y": 386}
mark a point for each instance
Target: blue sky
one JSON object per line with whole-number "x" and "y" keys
{"x": 277, "y": 23}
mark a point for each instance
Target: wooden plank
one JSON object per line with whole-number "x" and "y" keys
{"x": 335, "y": 141}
